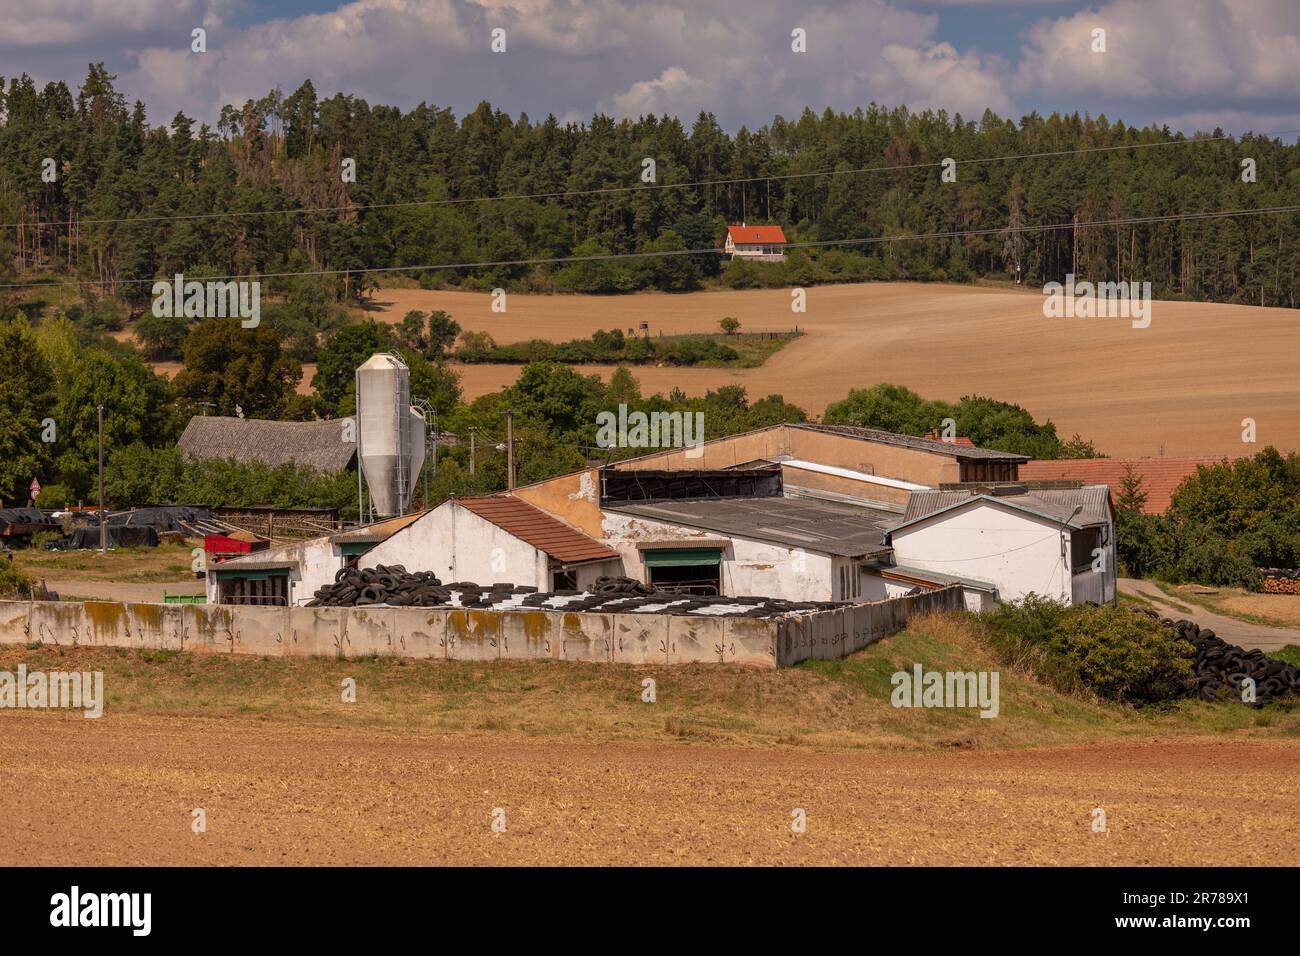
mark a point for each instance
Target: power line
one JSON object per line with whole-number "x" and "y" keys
{"x": 606, "y": 257}
{"x": 611, "y": 190}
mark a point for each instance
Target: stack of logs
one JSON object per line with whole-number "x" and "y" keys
{"x": 1279, "y": 580}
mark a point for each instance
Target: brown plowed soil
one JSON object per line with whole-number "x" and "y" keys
{"x": 120, "y": 790}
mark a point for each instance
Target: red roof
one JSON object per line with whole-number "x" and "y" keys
{"x": 536, "y": 527}
{"x": 754, "y": 235}
{"x": 1160, "y": 476}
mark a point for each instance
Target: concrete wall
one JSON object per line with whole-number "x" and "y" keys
{"x": 1015, "y": 551}
{"x": 466, "y": 634}
{"x": 839, "y": 632}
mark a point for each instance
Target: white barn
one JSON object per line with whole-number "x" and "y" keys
{"x": 1056, "y": 543}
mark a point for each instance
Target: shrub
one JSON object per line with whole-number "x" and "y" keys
{"x": 1110, "y": 651}
{"x": 14, "y": 582}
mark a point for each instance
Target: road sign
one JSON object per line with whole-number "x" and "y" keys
{"x": 36, "y": 489}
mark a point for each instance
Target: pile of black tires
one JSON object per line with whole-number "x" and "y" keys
{"x": 382, "y": 584}
{"x": 1222, "y": 667}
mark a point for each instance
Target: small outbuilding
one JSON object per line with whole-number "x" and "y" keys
{"x": 1055, "y": 543}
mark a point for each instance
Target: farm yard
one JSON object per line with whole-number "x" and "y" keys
{"x": 1179, "y": 387}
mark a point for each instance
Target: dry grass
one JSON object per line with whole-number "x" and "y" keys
{"x": 830, "y": 705}
{"x": 165, "y": 563}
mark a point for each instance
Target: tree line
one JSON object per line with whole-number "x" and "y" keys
{"x": 118, "y": 177}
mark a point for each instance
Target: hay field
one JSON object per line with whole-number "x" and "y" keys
{"x": 1181, "y": 385}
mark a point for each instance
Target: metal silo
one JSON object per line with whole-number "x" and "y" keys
{"x": 387, "y": 445}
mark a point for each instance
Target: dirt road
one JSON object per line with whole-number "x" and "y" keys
{"x": 1234, "y": 631}
{"x": 121, "y": 790}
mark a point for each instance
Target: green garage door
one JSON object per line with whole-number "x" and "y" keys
{"x": 682, "y": 557}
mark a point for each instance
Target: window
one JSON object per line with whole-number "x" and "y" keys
{"x": 564, "y": 581}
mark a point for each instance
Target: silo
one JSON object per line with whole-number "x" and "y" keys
{"x": 416, "y": 430}
{"x": 384, "y": 432}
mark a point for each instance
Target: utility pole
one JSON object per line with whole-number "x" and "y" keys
{"x": 510, "y": 449}
{"x": 471, "y": 451}
{"x": 103, "y": 523}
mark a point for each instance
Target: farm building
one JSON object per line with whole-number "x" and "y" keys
{"x": 1160, "y": 476}
{"x": 497, "y": 539}
{"x": 1056, "y": 543}
{"x": 327, "y": 446}
{"x": 289, "y": 575}
{"x": 762, "y": 243}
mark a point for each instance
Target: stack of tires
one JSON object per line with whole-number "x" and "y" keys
{"x": 382, "y": 584}
{"x": 1222, "y": 668}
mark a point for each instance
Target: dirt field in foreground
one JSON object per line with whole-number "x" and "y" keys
{"x": 120, "y": 790}
{"x": 1184, "y": 383}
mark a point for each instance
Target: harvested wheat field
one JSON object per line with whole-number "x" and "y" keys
{"x": 1182, "y": 385}
{"x": 122, "y": 791}
{"x": 588, "y": 772}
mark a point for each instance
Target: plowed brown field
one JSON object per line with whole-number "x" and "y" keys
{"x": 1181, "y": 386}
{"x": 121, "y": 789}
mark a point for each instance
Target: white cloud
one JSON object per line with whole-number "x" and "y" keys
{"x": 1168, "y": 49}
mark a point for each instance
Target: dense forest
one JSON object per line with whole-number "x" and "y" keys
{"x": 265, "y": 191}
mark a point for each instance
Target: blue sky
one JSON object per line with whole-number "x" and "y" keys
{"x": 1191, "y": 64}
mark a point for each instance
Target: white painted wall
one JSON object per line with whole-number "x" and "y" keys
{"x": 748, "y": 567}
{"x": 457, "y": 545}
{"x": 1018, "y": 552}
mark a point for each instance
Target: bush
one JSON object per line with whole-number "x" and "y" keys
{"x": 1110, "y": 651}
{"x": 14, "y": 582}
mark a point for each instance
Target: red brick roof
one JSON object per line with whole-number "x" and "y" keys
{"x": 1160, "y": 476}
{"x": 751, "y": 235}
{"x": 539, "y": 529}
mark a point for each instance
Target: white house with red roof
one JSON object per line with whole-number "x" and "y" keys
{"x": 766, "y": 243}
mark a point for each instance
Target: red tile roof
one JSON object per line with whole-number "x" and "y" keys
{"x": 539, "y": 529}
{"x": 1160, "y": 476}
{"x": 751, "y": 235}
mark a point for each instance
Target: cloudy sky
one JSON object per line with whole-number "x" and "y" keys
{"x": 1193, "y": 64}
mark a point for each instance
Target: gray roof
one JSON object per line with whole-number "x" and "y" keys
{"x": 938, "y": 577}
{"x": 825, "y": 527}
{"x": 933, "y": 445}
{"x": 317, "y": 445}
{"x": 1052, "y": 504}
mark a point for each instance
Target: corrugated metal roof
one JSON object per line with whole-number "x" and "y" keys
{"x": 824, "y": 527}
{"x": 379, "y": 531}
{"x": 1160, "y": 476}
{"x": 962, "y": 452}
{"x": 935, "y": 577}
{"x": 536, "y": 527}
{"x": 1053, "y": 504}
